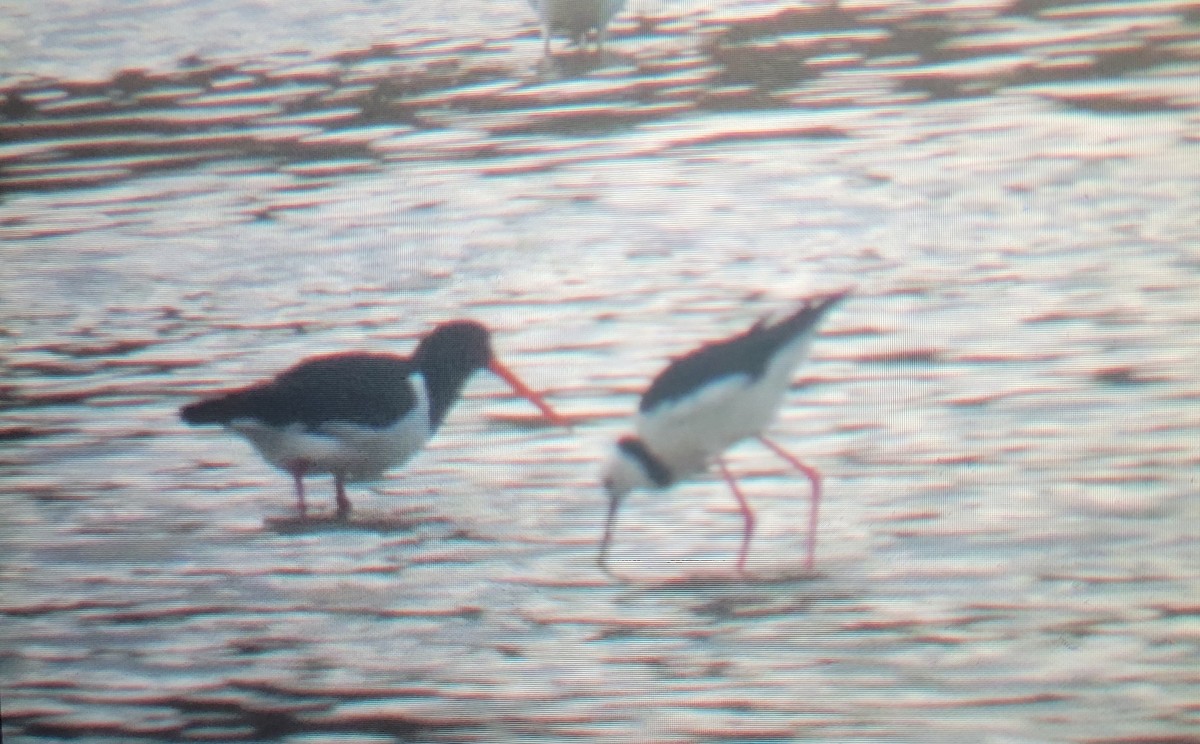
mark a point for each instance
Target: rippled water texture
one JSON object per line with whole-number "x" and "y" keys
{"x": 1006, "y": 413}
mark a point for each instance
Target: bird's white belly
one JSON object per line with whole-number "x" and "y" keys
{"x": 356, "y": 452}
{"x": 688, "y": 433}
{"x": 576, "y": 15}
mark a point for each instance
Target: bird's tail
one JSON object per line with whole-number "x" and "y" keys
{"x": 212, "y": 411}
{"x": 814, "y": 308}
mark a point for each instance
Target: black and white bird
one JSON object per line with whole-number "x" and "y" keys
{"x": 355, "y": 415}
{"x": 707, "y": 401}
{"x": 575, "y": 19}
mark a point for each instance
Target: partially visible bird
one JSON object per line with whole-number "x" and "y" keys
{"x": 707, "y": 401}
{"x": 355, "y": 415}
{"x": 575, "y": 19}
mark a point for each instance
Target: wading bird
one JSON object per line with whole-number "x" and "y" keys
{"x": 707, "y": 401}
{"x": 575, "y": 19}
{"x": 356, "y": 415}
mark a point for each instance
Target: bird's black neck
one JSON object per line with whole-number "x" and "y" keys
{"x": 659, "y": 474}
{"x": 444, "y": 384}
{"x": 446, "y": 358}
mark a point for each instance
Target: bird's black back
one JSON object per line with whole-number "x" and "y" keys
{"x": 356, "y": 388}
{"x": 748, "y": 353}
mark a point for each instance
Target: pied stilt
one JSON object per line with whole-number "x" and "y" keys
{"x": 707, "y": 401}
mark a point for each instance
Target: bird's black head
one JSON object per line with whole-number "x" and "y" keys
{"x": 446, "y": 358}
{"x": 461, "y": 346}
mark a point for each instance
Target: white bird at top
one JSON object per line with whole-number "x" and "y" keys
{"x": 575, "y": 19}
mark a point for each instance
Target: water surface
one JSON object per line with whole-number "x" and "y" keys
{"x": 1006, "y": 413}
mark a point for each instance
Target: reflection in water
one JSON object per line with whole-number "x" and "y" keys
{"x": 1006, "y": 415}
{"x": 363, "y": 106}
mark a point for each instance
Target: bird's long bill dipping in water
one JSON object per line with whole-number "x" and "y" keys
{"x": 575, "y": 19}
{"x": 356, "y": 415}
{"x": 709, "y": 400}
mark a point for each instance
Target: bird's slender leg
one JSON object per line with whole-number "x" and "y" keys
{"x": 343, "y": 503}
{"x": 298, "y": 470}
{"x": 815, "y": 478}
{"x": 747, "y": 514}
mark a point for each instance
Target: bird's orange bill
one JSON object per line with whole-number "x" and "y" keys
{"x": 524, "y": 390}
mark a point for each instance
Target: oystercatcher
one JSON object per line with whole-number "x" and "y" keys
{"x": 709, "y": 400}
{"x": 575, "y": 18}
{"x": 355, "y": 415}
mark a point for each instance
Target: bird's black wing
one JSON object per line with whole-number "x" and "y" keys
{"x": 364, "y": 389}
{"x": 748, "y": 354}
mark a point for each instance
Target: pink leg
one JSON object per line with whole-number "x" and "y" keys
{"x": 298, "y": 478}
{"x": 747, "y": 514}
{"x": 813, "y": 476}
{"x": 343, "y": 503}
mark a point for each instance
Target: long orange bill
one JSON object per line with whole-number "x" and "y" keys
{"x": 524, "y": 390}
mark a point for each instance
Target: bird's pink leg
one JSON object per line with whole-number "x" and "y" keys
{"x": 813, "y": 476}
{"x": 747, "y": 514}
{"x": 343, "y": 503}
{"x": 298, "y": 470}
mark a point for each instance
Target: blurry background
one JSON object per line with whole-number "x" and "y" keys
{"x": 196, "y": 195}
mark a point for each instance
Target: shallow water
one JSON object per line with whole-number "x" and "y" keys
{"x": 1006, "y": 413}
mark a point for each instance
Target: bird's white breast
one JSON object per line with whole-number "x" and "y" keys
{"x": 576, "y": 14}
{"x": 357, "y": 452}
{"x": 686, "y": 433}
